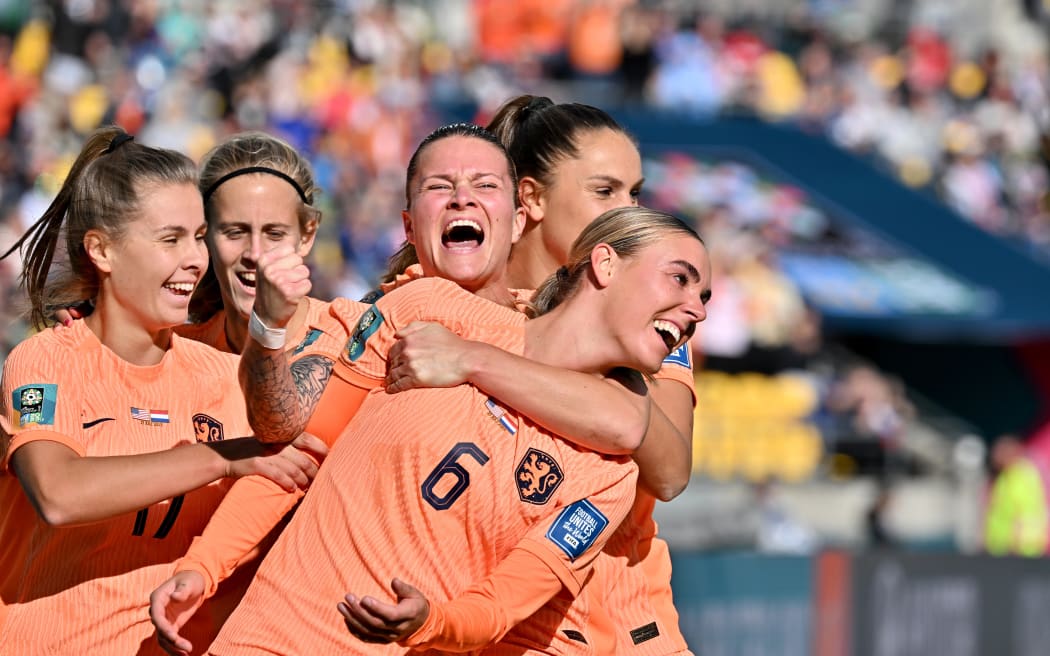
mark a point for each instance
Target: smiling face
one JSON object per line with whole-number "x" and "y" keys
{"x": 656, "y": 298}
{"x": 461, "y": 219}
{"x": 606, "y": 175}
{"x": 251, "y": 214}
{"x": 158, "y": 261}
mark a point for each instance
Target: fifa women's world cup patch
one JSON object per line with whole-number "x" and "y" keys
{"x": 681, "y": 356}
{"x": 367, "y": 325}
{"x": 206, "y": 428}
{"x": 538, "y": 476}
{"x": 577, "y": 527}
{"x": 35, "y": 404}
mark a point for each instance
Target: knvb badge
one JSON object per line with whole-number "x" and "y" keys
{"x": 151, "y": 417}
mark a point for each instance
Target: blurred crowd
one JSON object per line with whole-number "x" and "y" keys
{"x": 354, "y": 84}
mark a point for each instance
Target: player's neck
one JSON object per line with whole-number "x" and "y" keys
{"x": 562, "y": 338}
{"x": 529, "y": 263}
{"x": 120, "y": 333}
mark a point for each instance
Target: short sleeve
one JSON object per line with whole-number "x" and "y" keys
{"x": 375, "y": 330}
{"x": 326, "y": 330}
{"x": 678, "y": 366}
{"x": 41, "y": 398}
{"x": 569, "y": 539}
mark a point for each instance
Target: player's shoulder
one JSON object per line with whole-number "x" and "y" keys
{"x": 212, "y": 331}
{"x": 421, "y": 290}
{"x": 199, "y": 358}
{"x": 51, "y": 344}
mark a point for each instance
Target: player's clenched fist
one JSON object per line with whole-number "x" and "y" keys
{"x": 282, "y": 281}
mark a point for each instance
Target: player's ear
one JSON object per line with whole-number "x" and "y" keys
{"x": 604, "y": 261}
{"x": 99, "y": 250}
{"x": 406, "y": 219}
{"x": 531, "y": 197}
{"x": 309, "y": 233}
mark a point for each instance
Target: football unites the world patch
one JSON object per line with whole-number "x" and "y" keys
{"x": 366, "y": 327}
{"x": 577, "y": 527}
{"x": 537, "y": 476}
{"x": 207, "y": 429}
{"x": 150, "y": 416}
{"x": 310, "y": 338}
{"x": 35, "y": 404}
{"x": 681, "y": 356}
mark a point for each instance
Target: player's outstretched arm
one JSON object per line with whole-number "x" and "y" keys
{"x": 603, "y": 414}
{"x": 66, "y": 488}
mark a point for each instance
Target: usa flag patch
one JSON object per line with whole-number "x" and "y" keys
{"x": 500, "y": 415}
{"x": 150, "y": 416}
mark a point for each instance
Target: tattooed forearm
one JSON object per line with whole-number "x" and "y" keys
{"x": 277, "y": 410}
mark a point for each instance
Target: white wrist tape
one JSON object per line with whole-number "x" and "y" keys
{"x": 271, "y": 338}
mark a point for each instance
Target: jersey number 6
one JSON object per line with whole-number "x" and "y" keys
{"x": 449, "y": 466}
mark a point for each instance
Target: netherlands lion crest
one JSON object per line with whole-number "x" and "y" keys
{"x": 537, "y": 476}
{"x": 206, "y": 429}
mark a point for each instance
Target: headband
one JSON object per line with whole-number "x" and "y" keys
{"x": 255, "y": 169}
{"x": 116, "y": 142}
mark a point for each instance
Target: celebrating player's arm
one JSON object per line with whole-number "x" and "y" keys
{"x": 600, "y": 413}
{"x": 557, "y": 554}
{"x": 281, "y": 398}
{"x": 606, "y": 414}
{"x": 68, "y": 487}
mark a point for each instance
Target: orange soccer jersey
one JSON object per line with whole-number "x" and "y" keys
{"x": 633, "y": 574}
{"x": 257, "y": 505}
{"x": 85, "y": 589}
{"x": 434, "y": 486}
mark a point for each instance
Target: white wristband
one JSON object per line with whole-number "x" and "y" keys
{"x": 271, "y": 338}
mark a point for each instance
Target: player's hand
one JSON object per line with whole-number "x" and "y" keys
{"x": 64, "y": 317}
{"x": 282, "y": 280}
{"x": 427, "y": 355}
{"x": 371, "y": 620}
{"x": 171, "y": 606}
{"x": 290, "y": 466}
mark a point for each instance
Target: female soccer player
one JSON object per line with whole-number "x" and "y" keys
{"x": 97, "y": 501}
{"x": 467, "y": 253}
{"x": 574, "y": 162}
{"x": 446, "y": 485}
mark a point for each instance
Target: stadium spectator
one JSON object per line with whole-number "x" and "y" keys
{"x": 1016, "y": 517}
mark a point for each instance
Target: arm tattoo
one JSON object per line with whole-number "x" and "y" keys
{"x": 281, "y": 399}
{"x": 311, "y": 376}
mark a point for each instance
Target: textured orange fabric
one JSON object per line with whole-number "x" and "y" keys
{"x": 211, "y": 332}
{"x": 633, "y": 574}
{"x": 85, "y": 589}
{"x": 434, "y": 486}
{"x": 255, "y": 505}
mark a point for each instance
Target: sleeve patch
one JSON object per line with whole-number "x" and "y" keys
{"x": 35, "y": 404}
{"x": 310, "y": 338}
{"x": 366, "y": 327}
{"x": 577, "y": 527}
{"x": 681, "y": 356}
